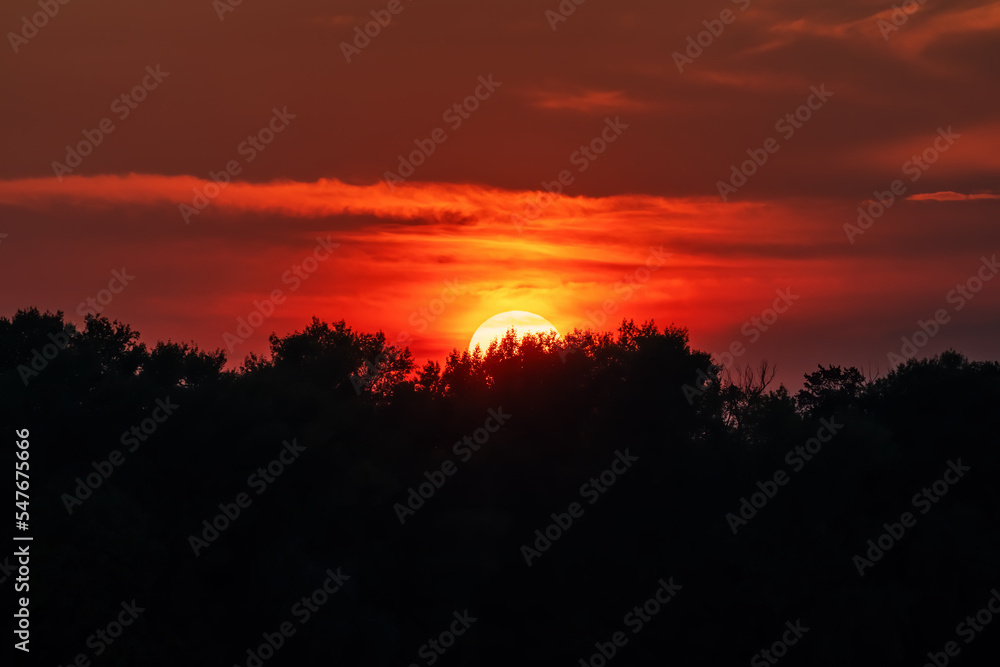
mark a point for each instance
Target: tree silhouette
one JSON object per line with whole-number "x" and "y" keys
{"x": 376, "y": 428}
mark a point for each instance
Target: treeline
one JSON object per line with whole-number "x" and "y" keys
{"x": 545, "y": 487}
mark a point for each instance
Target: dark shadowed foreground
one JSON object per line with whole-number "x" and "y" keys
{"x": 606, "y": 499}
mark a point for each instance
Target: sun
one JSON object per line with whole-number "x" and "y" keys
{"x": 522, "y": 321}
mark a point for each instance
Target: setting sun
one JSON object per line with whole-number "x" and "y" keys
{"x": 521, "y": 321}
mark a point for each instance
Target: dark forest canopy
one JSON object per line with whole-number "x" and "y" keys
{"x": 432, "y": 487}
{"x": 339, "y": 358}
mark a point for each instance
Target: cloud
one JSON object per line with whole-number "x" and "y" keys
{"x": 441, "y": 202}
{"x": 910, "y": 27}
{"x": 591, "y": 101}
{"x": 948, "y": 195}
{"x": 607, "y": 58}
{"x": 947, "y": 24}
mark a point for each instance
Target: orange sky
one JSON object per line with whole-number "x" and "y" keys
{"x": 640, "y": 230}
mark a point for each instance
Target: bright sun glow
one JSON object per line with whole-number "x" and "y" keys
{"x": 522, "y": 321}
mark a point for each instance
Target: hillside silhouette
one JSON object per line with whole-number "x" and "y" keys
{"x": 417, "y": 491}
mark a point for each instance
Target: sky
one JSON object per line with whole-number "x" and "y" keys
{"x": 790, "y": 181}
